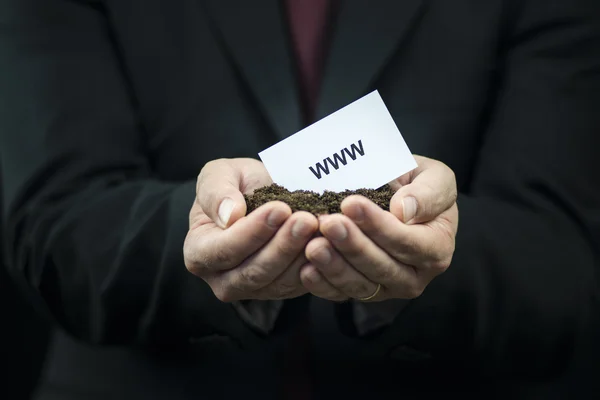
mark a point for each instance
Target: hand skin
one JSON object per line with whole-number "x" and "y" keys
{"x": 272, "y": 254}
{"x": 403, "y": 249}
{"x": 245, "y": 257}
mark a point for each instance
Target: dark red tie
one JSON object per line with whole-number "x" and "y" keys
{"x": 309, "y": 21}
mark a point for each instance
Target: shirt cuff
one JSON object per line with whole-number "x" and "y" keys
{"x": 370, "y": 317}
{"x": 260, "y": 315}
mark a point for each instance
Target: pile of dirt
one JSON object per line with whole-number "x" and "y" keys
{"x": 315, "y": 203}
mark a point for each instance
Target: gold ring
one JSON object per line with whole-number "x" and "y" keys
{"x": 371, "y": 297}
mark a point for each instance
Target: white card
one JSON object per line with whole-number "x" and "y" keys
{"x": 358, "y": 146}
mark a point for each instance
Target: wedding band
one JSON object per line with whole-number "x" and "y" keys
{"x": 371, "y": 297}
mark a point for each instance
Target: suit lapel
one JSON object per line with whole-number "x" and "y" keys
{"x": 365, "y": 37}
{"x": 256, "y": 37}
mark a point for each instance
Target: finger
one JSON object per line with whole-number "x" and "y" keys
{"x": 221, "y": 185}
{"x": 431, "y": 191}
{"x": 216, "y": 250}
{"x": 363, "y": 254}
{"x": 287, "y": 285}
{"x": 262, "y": 268}
{"x": 318, "y": 286}
{"x": 336, "y": 270}
{"x": 417, "y": 245}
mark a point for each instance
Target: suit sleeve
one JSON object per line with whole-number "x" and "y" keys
{"x": 88, "y": 226}
{"x": 523, "y": 285}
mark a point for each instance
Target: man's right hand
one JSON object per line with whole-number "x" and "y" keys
{"x": 245, "y": 257}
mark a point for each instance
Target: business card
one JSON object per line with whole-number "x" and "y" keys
{"x": 358, "y": 146}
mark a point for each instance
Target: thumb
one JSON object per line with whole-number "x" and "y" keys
{"x": 404, "y": 206}
{"x": 430, "y": 193}
{"x": 218, "y": 192}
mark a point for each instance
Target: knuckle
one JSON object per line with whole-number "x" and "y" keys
{"x": 224, "y": 294}
{"x": 206, "y": 169}
{"x": 260, "y": 236}
{"x": 414, "y": 291}
{"x": 384, "y": 274}
{"x": 222, "y": 256}
{"x": 445, "y": 232}
{"x": 193, "y": 267}
{"x": 286, "y": 248}
{"x": 442, "y": 256}
{"x": 449, "y": 250}
{"x": 213, "y": 164}
{"x": 423, "y": 191}
{"x": 357, "y": 251}
{"x": 199, "y": 180}
{"x": 440, "y": 266}
{"x": 454, "y": 194}
{"x": 360, "y": 290}
{"x": 451, "y": 179}
{"x": 409, "y": 244}
{"x": 192, "y": 262}
{"x": 335, "y": 272}
{"x": 283, "y": 290}
{"x": 448, "y": 236}
{"x": 451, "y": 174}
{"x": 253, "y": 276}
{"x": 441, "y": 165}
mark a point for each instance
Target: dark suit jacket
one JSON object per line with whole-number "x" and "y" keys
{"x": 110, "y": 109}
{"x": 23, "y": 338}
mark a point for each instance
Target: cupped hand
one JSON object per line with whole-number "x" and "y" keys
{"x": 402, "y": 250}
{"x": 244, "y": 257}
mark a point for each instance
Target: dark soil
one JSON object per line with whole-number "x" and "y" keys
{"x": 315, "y": 203}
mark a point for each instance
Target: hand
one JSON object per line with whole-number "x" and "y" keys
{"x": 403, "y": 249}
{"x": 241, "y": 257}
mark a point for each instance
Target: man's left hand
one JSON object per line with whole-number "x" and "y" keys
{"x": 402, "y": 250}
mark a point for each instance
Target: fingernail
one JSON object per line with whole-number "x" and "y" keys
{"x": 276, "y": 218}
{"x": 409, "y": 208}
{"x": 321, "y": 256}
{"x": 337, "y": 232}
{"x": 300, "y": 229}
{"x": 356, "y": 213}
{"x": 225, "y": 209}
